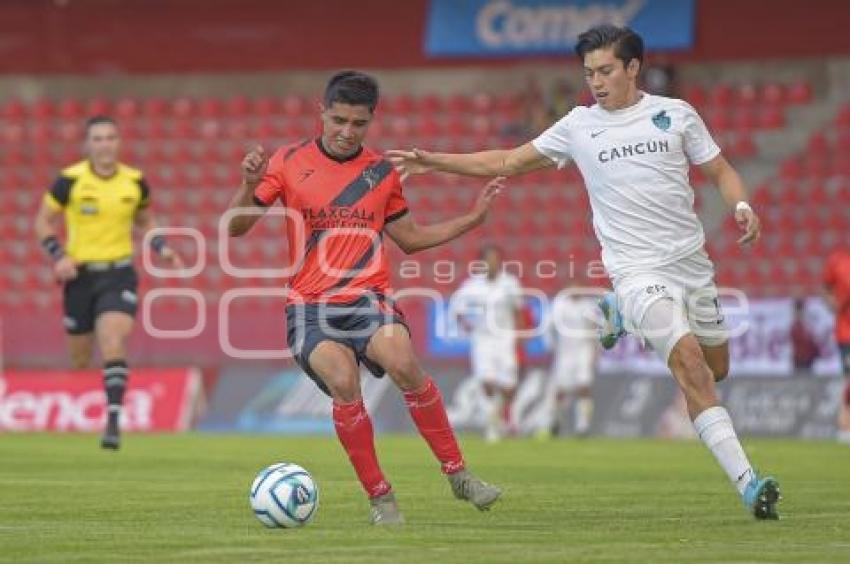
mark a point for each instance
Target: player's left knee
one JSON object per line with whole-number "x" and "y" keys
{"x": 406, "y": 372}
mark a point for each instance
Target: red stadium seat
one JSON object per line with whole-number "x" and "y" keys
{"x": 695, "y": 95}
{"x": 791, "y": 169}
{"x": 71, "y": 131}
{"x": 459, "y": 104}
{"x": 43, "y": 109}
{"x": 71, "y": 108}
{"x": 744, "y": 146}
{"x": 14, "y": 110}
{"x": 295, "y": 106}
{"x": 843, "y": 117}
{"x": 800, "y": 93}
{"x": 183, "y": 107}
{"x": 430, "y": 104}
{"x": 209, "y": 129}
{"x": 98, "y": 107}
{"x": 483, "y": 103}
{"x": 265, "y": 130}
{"x": 237, "y": 106}
{"x": 184, "y": 129}
{"x": 722, "y": 96}
{"x": 154, "y": 107}
{"x": 745, "y": 119}
{"x": 127, "y": 108}
{"x": 210, "y": 108}
{"x": 130, "y": 130}
{"x": 14, "y": 156}
{"x": 719, "y": 121}
{"x": 402, "y": 105}
{"x": 267, "y": 106}
{"x": 747, "y": 95}
{"x": 772, "y": 117}
{"x": 818, "y": 143}
{"x": 12, "y": 133}
{"x": 772, "y": 93}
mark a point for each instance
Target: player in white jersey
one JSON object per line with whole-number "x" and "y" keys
{"x": 633, "y": 151}
{"x": 488, "y": 306}
{"x": 571, "y": 334}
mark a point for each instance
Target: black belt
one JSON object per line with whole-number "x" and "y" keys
{"x": 104, "y": 265}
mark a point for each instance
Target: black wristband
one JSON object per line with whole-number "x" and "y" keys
{"x": 158, "y": 243}
{"x": 52, "y": 247}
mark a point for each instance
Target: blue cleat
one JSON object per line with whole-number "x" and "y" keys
{"x": 761, "y": 497}
{"x": 612, "y": 329}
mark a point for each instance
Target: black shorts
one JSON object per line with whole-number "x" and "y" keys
{"x": 94, "y": 292}
{"x": 351, "y": 324}
{"x": 844, "y": 357}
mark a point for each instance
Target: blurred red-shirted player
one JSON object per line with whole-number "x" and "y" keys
{"x": 836, "y": 281}
{"x": 339, "y": 307}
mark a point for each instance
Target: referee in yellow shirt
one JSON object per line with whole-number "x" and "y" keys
{"x": 101, "y": 200}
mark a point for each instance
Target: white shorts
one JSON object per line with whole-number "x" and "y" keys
{"x": 573, "y": 370}
{"x": 495, "y": 363}
{"x": 688, "y": 288}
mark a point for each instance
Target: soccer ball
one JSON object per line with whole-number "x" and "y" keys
{"x": 284, "y": 496}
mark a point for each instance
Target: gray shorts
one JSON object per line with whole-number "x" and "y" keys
{"x": 351, "y": 324}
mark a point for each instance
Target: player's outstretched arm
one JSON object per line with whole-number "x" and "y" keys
{"x": 145, "y": 221}
{"x": 500, "y": 162}
{"x": 731, "y": 187}
{"x": 412, "y": 237}
{"x": 254, "y": 167}
{"x": 64, "y": 267}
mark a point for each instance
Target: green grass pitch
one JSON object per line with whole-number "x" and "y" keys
{"x": 184, "y": 499}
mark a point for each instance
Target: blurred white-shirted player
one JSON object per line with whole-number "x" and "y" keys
{"x": 488, "y": 306}
{"x": 634, "y": 151}
{"x": 571, "y": 334}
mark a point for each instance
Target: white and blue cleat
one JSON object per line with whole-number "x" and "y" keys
{"x": 761, "y": 496}
{"x": 612, "y": 326}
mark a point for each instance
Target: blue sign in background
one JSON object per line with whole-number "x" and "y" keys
{"x": 446, "y": 340}
{"x": 482, "y": 28}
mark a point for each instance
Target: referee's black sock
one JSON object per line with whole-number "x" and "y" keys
{"x": 115, "y": 382}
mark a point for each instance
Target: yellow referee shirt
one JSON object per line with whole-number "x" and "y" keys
{"x": 99, "y": 211}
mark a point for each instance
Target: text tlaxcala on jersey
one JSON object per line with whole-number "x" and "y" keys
{"x": 336, "y": 242}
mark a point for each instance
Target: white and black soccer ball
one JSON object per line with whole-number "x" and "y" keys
{"x": 284, "y": 496}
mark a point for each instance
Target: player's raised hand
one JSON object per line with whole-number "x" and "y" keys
{"x": 65, "y": 269}
{"x": 254, "y": 165}
{"x": 406, "y": 163}
{"x": 749, "y": 223}
{"x": 486, "y": 196}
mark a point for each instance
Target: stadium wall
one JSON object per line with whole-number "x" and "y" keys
{"x": 162, "y": 36}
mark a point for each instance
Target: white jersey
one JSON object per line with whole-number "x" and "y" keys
{"x": 635, "y": 164}
{"x": 489, "y": 307}
{"x": 571, "y": 326}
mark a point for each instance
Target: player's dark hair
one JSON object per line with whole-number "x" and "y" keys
{"x": 98, "y": 120}
{"x": 627, "y": 44}
{"x": 353, "y": 88}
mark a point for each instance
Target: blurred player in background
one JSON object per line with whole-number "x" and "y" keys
{"x": 836, "y": 293}
{"x": 101, "y": 200}
{"x": 489, "y": 305}
{"x": 634, "y": 151}
{"x": 339, "y": 309}
{"x": 571, "y": 333}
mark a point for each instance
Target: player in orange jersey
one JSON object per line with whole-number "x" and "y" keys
{"x": 340, "y": 312}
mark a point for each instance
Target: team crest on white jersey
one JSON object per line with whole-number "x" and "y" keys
{"x": 661, "y": 120}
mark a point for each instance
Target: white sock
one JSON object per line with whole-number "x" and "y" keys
{"x": 584, "y": 414}
{"x": 715, "y": 429}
